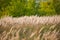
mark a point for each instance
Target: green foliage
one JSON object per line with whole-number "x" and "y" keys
{"x": 18, "y": 8}
{"x": 47, "y": 7}
{"x": 57, "y": 6}
{"x": 4, "y": 3}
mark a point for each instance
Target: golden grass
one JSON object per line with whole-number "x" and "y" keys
{"x": 30, "y": 28}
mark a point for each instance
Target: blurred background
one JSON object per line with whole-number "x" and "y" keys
{"x": 17, "y": 8}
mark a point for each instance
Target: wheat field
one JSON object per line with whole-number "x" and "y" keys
{"x": 30, "y": 28}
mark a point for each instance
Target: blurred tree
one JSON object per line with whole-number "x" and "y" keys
{"x": 30, "y": 7}
{"x": 21, "y": 8}
{"x": 46, "y": 7}
{"x": 57, "y": 6}
{"x": 3, "y": 5}
{"x": 18, "y": 8}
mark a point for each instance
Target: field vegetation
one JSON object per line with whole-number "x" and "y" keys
{"x": 29, "y": 19}
{"x": 30, "y": 28}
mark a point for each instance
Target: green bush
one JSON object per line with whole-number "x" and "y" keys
{"x": 18, "y": 8}
{"x": 57, "y": 6}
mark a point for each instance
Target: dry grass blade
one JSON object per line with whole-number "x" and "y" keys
{"x": 30, "y": 28}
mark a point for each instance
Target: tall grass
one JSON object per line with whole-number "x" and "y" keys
{"x": 30, "y": 28}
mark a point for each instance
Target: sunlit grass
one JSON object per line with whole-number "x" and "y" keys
{"x": 30, "y": 28}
